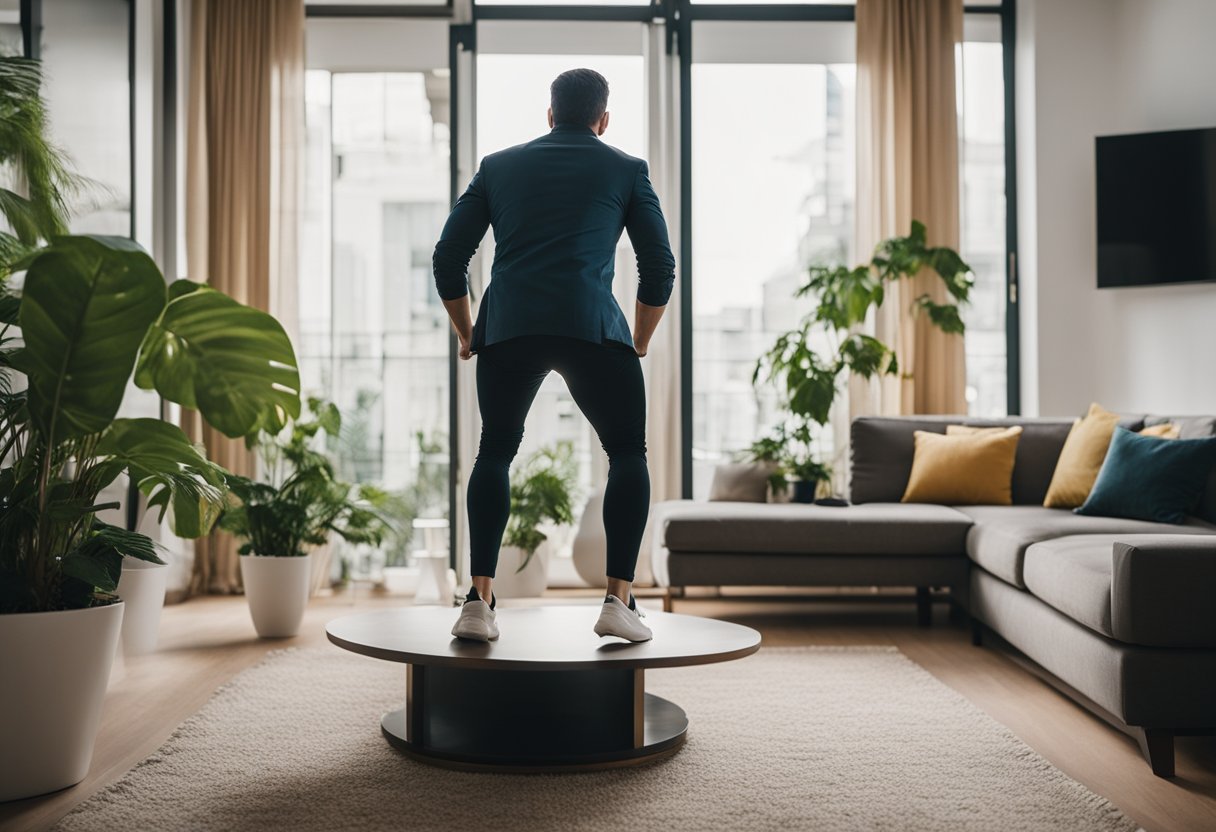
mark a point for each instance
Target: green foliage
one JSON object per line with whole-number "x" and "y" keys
{"x": 41, "y": 211}
{"x": 184, "y": 352}
{"x": 303, "y": 502}
{"x": 807, "y": 378}
{"x": 789, "y": 449}
{"x": 542, "y": 489}
{"x": 88, "y": 307}
{"x": 77, "y": 355}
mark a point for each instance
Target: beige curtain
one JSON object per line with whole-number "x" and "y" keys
{"x": 907, "y": 169}
{"x": 245, "y": 137}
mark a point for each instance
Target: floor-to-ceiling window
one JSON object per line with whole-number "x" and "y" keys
{"x": 373, "y": 335}
{"x": 772, "y": 191}
{"x": 770, "y": 148}
{"x": 981, "y": 127}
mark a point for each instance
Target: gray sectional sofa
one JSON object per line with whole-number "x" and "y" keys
{"x": 1121, "y": 614}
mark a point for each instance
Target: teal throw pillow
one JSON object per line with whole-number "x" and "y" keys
{"x": 1149, "y": 478}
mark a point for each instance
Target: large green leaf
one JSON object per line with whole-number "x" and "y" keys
{"x": 85, "y": 307}
{"x": 168, "y": 468}
{"x": 233, "y": 363}
{"x": 98, "y": 560}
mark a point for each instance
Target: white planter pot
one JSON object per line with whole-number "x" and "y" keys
{"x": 526, "y": 584}
{"x": 55, "y": 666}
{"x": 142, "y": 589}
{"x": 277, "y": 589}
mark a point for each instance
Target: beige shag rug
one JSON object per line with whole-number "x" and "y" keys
{"x": 788, "y": 739}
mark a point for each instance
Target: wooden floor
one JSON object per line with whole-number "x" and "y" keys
{"x": 206, "y": 641}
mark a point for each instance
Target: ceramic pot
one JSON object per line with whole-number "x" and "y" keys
{"x": 804, "y": 491}
{"x": 56, "y": 666}
{"x": 277, "y": 590}
{"x": 142, "y": 589}
{"x": 531, "y": 582}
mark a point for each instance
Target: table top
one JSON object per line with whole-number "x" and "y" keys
{"x": 539, "y": 638}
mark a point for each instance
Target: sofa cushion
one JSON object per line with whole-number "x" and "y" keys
{"x": 741, "y": 482}
{"x": 795, "y": 528}
{"x": 882, "y": 452}
{"x": 1081, "y": 458}
{"x": 1147, "y": 478}
{"x": 973, "y": 467}
{"x": 1153, "y": 590}
{"x": 1001, "y": 535}
{"x": 1195, "y": 427}
{"x": 1072, "y": 574}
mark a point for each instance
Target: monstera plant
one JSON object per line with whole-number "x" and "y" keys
{"x": 91, "y": 311}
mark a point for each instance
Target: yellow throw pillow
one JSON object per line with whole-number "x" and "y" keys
{"x": 1081, "y": 458}
{"x": 1165, "y": 430}
{"x": 963, "y": 468}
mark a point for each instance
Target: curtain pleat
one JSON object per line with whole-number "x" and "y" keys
{"x": 907, "y": 169}
{"x": 244, "y": 150}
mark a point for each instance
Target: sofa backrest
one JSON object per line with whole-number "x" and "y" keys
{"x": 882, "y": 448}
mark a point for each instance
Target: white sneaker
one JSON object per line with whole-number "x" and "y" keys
{"x": 616, "y": 619}
{"x": 476, "y": 622}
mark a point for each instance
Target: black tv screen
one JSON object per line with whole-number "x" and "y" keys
{"x": 1156, "y": 208}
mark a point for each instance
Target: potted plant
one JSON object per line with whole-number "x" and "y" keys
{"x": 91, "y": 310}
{"x": 298, "y": 506}
{"x": 542, "y": 492}
{"x": 808, "y": 378}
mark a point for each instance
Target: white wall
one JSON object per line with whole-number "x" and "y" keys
{"x": 1088, "y": 68}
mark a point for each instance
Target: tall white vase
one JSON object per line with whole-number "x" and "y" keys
{"x": 142, "y": 589}
{"x": 277, "y": 591}
{"x": 55, "y": 668}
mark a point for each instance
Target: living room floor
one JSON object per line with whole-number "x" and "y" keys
{"x": 208, "y": 640}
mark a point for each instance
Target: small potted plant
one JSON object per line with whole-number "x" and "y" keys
{"x": 298, "y": 506}
{"x": 788, "y": 456}
{"x": 542, "y": 492}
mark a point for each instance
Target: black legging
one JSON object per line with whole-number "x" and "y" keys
{"x": 606, "y": 383}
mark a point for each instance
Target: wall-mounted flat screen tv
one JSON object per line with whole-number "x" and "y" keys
{"x": 1156, "y": 208}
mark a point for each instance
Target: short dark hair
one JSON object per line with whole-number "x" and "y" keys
{"x": 578, "y": 96}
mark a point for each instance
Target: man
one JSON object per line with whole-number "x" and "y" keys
{"x": 558, "y": 205}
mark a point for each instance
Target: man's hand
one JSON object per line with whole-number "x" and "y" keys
{"x": 644, "y": 323}
{"x": 462, "y": 324}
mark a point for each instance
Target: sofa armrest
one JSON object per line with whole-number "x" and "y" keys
{"x": 1163, "y": 592}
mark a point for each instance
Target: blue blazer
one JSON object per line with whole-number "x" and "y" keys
{"x": 558, "y": 205}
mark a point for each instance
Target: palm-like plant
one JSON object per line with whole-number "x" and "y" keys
{"x": 91, "y": 311}
{"x": 303, "y": 501}
{"x": 35, "y": 206}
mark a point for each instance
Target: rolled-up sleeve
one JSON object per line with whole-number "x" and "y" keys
{"x": 648, "y": 233}
{"x": 459, "y": 240}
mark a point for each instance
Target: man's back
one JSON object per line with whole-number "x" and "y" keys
{"x": 558, "y": 205}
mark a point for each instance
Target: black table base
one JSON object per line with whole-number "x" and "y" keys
{"x": 533, "y": 720}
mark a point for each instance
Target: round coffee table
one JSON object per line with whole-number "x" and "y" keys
{"x": 549, "y": 695}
